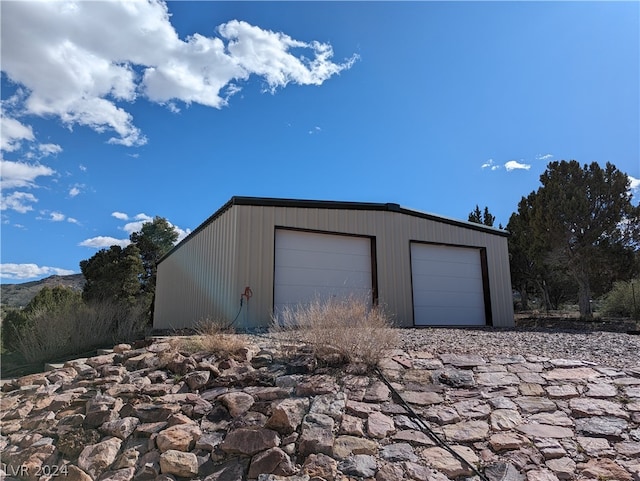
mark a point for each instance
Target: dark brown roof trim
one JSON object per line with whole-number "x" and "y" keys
{"x": 331, "y": 204}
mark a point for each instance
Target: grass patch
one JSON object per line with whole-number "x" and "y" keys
{"x": 350, "y": 327}
{"x": 212, "y": 336}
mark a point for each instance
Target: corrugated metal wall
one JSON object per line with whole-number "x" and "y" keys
{"x": 393, "y": 231}
{"x": 206, "y": 275}
{"x": 196, "y": 281}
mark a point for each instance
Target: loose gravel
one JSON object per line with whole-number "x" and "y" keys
{"x": 620, "y": 350}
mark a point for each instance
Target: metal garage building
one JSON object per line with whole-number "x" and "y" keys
{"x": 425, "y": 269}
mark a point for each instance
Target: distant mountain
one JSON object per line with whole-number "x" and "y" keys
{"x": 19, "y": 295}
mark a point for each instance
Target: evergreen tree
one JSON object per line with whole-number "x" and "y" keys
{"x": 577, "y": 224}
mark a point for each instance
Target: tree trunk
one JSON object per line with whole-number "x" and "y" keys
{"x": 524, "y": 298}
{"x": 584, "y": 297}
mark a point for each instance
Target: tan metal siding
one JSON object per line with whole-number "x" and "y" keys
{"x": 206, "y": 275}
{"x": 393, "y": 232}
{"x": 196, "y": 281}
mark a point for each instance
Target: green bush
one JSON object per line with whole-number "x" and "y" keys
{"x": 57, "y": 323}
{"x": 623, "y": 300}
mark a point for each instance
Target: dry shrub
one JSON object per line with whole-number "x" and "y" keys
{"x": 76, "y": 329}
{"x": 351, "y": 327}
{"x": 215, "y": 337}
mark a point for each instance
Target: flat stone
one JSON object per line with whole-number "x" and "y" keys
{"x": 422, "y": 398}
{"x": 604, "y": 469}
{"x": 379, "y": 425}
{"x": 462, "y": 360}
{"x": 497, "y": 379}
{"x": 503, "y": 472}
{"x": 606, "y": 426}
{"x": 601, "y": 390}
{"x": 507, "y": 441}
{"x": 505, "y": 419}
{"x": 550, "y": 448}
{"x": 628, "y": 448}
{"x": 563, "y": 468}
{"x": 534, "y": 404}
{"x": 557, "y": 418}
{"x": 345, "y": 446}
{"x": 562, "y": 391}
{"x": 352, "y": 425}
{"x": 441, "y": 415}
{"x": 122, "y": 474}
{"x": 467, "y": 431}
{"x": 377, "y": 392}
{"x": 541, "y": 475}
{"x": 120, "y": 428}
{"x": 398, "y": 452}
{"x": 444, "y": 461}
{"x": 571, "y": 374}
{"x": 473, "y": 409}
{"x": 413, "y": 437}
{"x": 582, "y": 407}
{"x": 361, "y": 409}
{"x": 545, "y": 431}
{"x": 455, "y": 377}
{"x": 531, "y": 389}
{"x": 595, "y": 447}
{"x": 360, "y": 465}
{"x": 332, "y": 405}
{"x": 320, "y": 466}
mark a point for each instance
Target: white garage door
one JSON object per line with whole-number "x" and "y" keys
{"x": 447, "y": 285}
{"x": 310, "y": 265}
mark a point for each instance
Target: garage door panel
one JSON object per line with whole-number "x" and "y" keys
{"x": 312, "y": 259}
{"x": 316, "y": 265}
{"x": 447, "y": 284}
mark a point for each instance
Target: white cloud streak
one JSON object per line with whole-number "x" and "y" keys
{"x": 490, "y": 164}
{"x": 29, "y": 271}
{"x": 515, "y": 165}
{"x": 18, "y": 201}
{"x": 100, "y": 242}
{"x": 58, "y": 53}
{"x": 634, "y": 184}
{"x": 21, "y": 174}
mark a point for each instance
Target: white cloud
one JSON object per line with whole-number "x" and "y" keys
{"x": 100, "y": 242}
{"x": 18, "y": 201}
{"x": 634, "y": 184}
{"x": 57, "y": 216}
{"x": 490, "y": 164}
{"x": 58, "y": 53}
{"x": 120, "y": 215}
{"x": 74, "y": 191}
{"x": 28, "y": 271}
{"x": 82, "y": 168}
{"x": 49, "y": 149}
{"x": 71, "y": 220}
{"x": 544, "y": 156}
{"x": 132, "y": 227}
{"x": 21, "y": 174}
{"x": 13, "y": 132}
{"x": 515, "y": 165}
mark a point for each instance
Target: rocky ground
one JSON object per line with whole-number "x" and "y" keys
{"x": 512, "y": 406}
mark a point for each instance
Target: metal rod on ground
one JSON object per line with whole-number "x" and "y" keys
{"x": 427, "y": 430}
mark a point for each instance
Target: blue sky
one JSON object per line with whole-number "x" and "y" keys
{"x": 114, "y": 113}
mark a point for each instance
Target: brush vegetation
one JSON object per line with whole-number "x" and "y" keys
{"x": 351, "y": 327}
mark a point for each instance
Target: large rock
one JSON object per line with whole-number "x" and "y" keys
{"x": 360, "y": 465}
{"x": 120, "y": 428}
{"x": 248, "y": 441}
{"x": 467, "y": 431}
{"x": 345, "y": 446}
{"x": 181, "y": 437}
{"x": 444, "y": 461}
{"x": 178, "y": 463}
{"x": 97, "y": 458}
{"x": 317, "y": 435}
{"x": 237, "y": 403}
{"x": 320, "y": 466}
{"x": 271, "y": 461}
{"x": 379, "y": 425}
{"x": 287, "y": 415}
